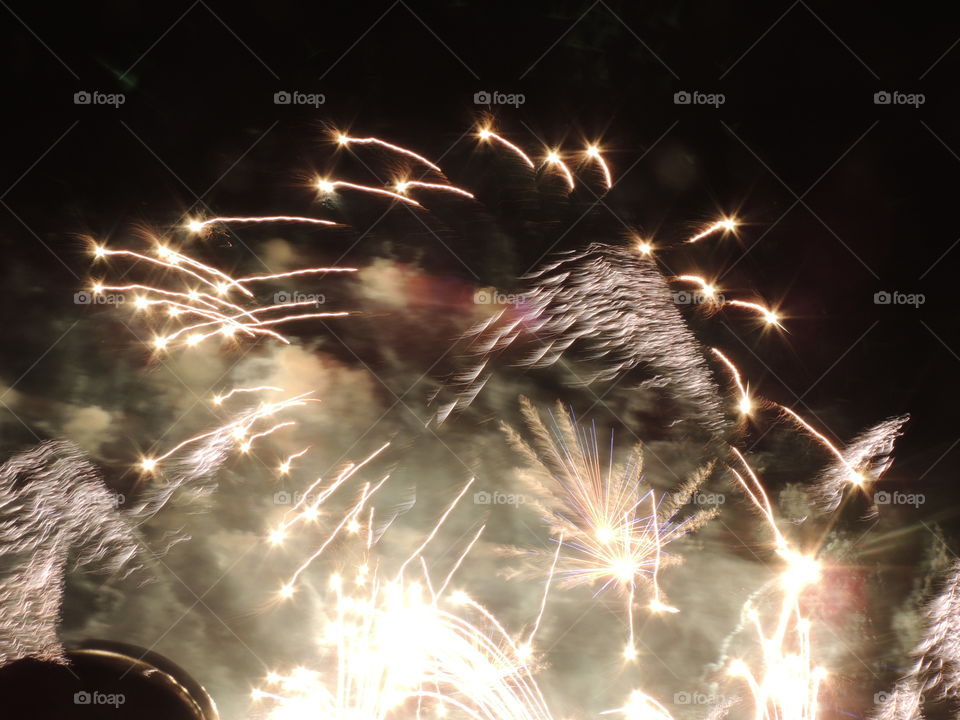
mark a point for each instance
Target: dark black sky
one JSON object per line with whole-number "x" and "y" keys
{"x": 842, "y": 198}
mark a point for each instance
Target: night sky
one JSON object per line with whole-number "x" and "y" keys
{"x": 841, "y": 198}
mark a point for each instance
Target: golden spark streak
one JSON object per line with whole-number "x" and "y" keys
{"x": 285, "y": 465}
{"x": 403, "y": 185}
{"x": 594, "y": 152}
{"x": 199, "y": 225}
{"x": 329, "y": 186}
{"x": 488, "y": 134}
{"x": 769, "y": 316}
{"x": 553, "y": 158}
{"x": 745, "y": 405}
{"x": 726, "y": 224}
{"x": 856, "y": 477}
{"x": 345, "y": 140}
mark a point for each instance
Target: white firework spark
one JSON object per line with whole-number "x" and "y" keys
{"x": 869, "y": 454}
{"x": 612, "y": 304}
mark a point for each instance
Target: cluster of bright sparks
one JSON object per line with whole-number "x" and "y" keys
{"x": 243, "y": 429}
{"x": 402, "y": 648}
{"x": 199, "y": 301}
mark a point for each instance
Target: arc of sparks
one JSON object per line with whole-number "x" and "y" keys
{"x": 769, "y": 316}
{"x": 746, "y": 404}
{"x": 856, "y": 477}
{"x": 221, "y": 398}
{"x": 329, "y": 186}
{"x": 403, "y": 185}
{"x": 198, "y": 225}
{"x": 488, "y": 134}
{"x": 724, "y": 224}
{"x": 345, "y": 140}
{"x": 553, "y": 159}
{"x": 593, "y": 152}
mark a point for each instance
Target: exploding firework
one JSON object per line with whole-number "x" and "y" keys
{"x": 200, "y": 301}
{"x": 392, "y": 646}
{"x": 613, "y": 305}
{"x": 609, "y": 526}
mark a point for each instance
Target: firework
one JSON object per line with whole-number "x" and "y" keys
{"x": 55, "y": 506}
{"x": 488, "y": 134}
{"x": 935, "y": 675}
{"x": 205, "y": 314}
{"x": 405, "y": 185}
{"x": 394, "y": 646}
{"x": 610, "y": 524}
{"x": 593, "y": 152}
{"x": 725, "y": 225}
{"x": 346, "y": 140}
{"x": 393, "y": 650}
{"x": 330, "y": 186}
{"x": 784, "y": 683}
{"x": 240, "y": 428}
{"x": 197, "y": 226}
{"x": 553, "y": 160}
{"x": 745, "y": 405}
{"x": 862, "y": 463}
{"x": 611, "y": 304}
